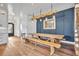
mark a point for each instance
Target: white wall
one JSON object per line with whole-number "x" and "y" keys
{"x": 31, "y": 28}
{"x": 3, "y": 29}
{"x": 16, "y": 26}
{"x": 3, "y": 24}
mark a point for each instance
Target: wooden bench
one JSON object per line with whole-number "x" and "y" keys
{"x": 52, "y": 37}
{"x": 50, "y": 44}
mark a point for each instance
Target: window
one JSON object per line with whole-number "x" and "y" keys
{"x": 49, "y": 23}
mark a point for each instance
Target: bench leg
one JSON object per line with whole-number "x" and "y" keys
{"x": 52, "y": 50}
{"x": 35, "y": 44}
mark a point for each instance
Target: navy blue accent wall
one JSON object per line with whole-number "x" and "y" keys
{"x": 64, "y": 24}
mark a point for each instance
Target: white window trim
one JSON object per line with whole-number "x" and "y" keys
{"x": 53, "y": 27}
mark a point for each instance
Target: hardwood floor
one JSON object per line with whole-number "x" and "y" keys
{"x": 18, "y": 47}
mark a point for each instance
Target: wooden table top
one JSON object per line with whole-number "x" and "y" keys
{"x": 57, "y": 36}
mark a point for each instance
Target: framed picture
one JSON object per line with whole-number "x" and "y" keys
{"x": 49, "y": 23}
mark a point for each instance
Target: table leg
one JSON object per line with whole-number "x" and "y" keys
{"x": 52, "y": 50}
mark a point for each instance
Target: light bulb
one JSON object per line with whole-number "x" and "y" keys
{"x": 46, "y": 19}
{"x": 40, "y": 19}
{"x": 54, "y": 17}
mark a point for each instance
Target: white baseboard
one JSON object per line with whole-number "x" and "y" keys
{"x": 68, "y": 42}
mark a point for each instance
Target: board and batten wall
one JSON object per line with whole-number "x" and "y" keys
{"x": 64, "y": 24}
{"x": 3, "y": 24}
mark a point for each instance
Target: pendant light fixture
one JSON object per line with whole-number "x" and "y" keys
{"x": 32, "y": 18}
{"x": 40, "y": 14}
{"x": 53, "y": 16}
{"x": 51, "y": 7}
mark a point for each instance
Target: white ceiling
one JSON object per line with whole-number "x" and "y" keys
{"x": 29, "y": 8}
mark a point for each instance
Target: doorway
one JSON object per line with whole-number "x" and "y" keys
{"x": 10, "y": 29}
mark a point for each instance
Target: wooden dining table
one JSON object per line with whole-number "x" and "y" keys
{"x": 52, "y": 37}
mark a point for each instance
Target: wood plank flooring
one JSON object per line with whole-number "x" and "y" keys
{"x": 18, "y": 47}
